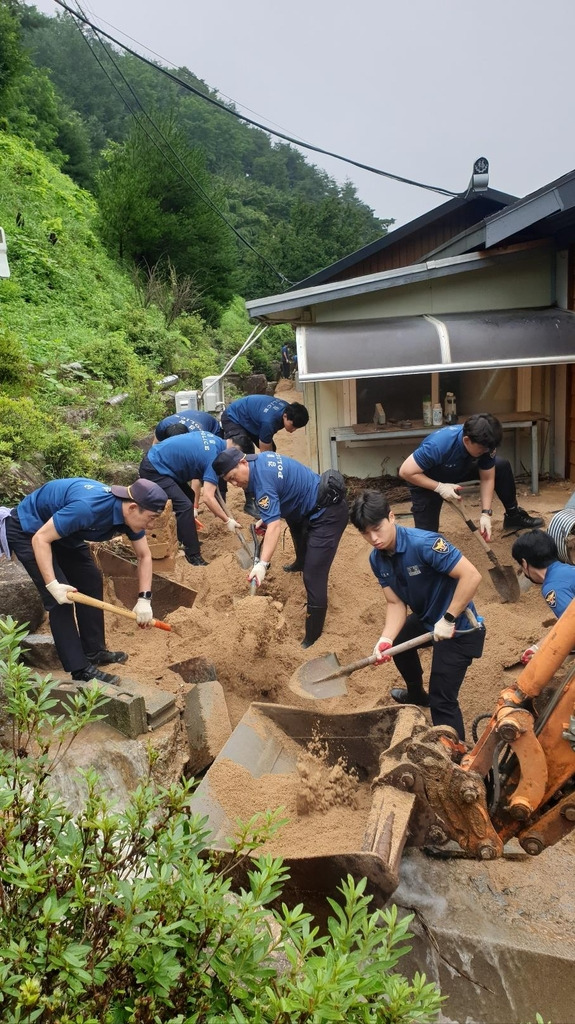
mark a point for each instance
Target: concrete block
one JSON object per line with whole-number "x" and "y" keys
{"x": 160, "y": 705}
{"x": 207, "y": 723}
{"x": 123, "y": 710}
{"x": 18, "y": 595}
{"x": 39, "y": 652}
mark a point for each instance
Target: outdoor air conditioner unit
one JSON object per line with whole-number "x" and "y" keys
{"x": 186, "y": 401}
{"x": 212, "y": 394}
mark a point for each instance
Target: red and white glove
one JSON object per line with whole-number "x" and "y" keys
{"x": 485, "y": 526}
{"x": 528, "y": 654}
{"x": 382, "y": 645}
{"x": 59, "y": 591}
{"x": 449, "y": 492}
{"x": 443, "y": 630}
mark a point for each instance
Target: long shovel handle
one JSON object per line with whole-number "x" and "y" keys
{"x": 461, "y": 509}
{"x": 239, "y": 534}
{"x": 78, "y": 598}
{"x": 346, "y": 670}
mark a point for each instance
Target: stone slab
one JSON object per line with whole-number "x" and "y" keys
{"x": 39, "y": 652}
{"x": 123, "y": 710}
{"x": 207, "y": 723}
{"x": 19, "y": 597}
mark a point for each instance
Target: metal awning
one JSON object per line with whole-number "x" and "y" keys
{"x": 425, "y": 344}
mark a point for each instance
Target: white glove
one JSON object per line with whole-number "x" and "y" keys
{"x": 443, "y": 630}
{"x": 195, "y": 511}
{"x": 485, "y": 526}
{"x": 233, "y": 525}
{"x": 528, "y": 654}
{"x": 380, "y": 649}
{"x": 258, "y": 573}
{"x": 143, "y": 611}
{"x": 59, "y": 591}
{"x": 449, "y": 492}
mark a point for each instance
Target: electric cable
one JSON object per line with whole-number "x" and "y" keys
{"x": 256, "y": 124}
{"x": 189, "y": 178}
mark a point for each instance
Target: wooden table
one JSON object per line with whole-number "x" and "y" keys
{"x": 392, "y": 432}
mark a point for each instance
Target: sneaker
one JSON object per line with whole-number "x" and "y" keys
{"x": 401, "y": 696}
{"x": 84, "y": 675}
{"x": 519, "y": 519}
{"x": 195, "y": 559}
{"x": 107, "y": 657}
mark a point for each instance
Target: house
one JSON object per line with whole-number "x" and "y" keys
{"x": 476, "y": 298}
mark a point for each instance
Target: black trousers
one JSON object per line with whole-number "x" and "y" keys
{"x": 77, "y": 629}
{"x": 321, "y": 539}
{"x": 426, "y": 505}
{"x": 182, "y": 497}
{"x": 449, "y": 663}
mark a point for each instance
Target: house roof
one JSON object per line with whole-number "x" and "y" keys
{"x": 548, "y": 210}
{"x": 485, "y": 203}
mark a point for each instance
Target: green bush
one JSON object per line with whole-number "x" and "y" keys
{"x": 66, "y": 454}
{"x": 22, "y": 428}
{"x": 113, "y": 917}
{"x": 15, "y": 374}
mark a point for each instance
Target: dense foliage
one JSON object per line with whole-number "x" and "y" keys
{"x": 118, "y": 917}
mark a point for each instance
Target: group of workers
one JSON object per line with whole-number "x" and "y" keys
{"x": 428, "y": 584}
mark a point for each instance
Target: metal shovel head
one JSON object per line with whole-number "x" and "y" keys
{"x": 244, "y": 558}
{"x": 168, "y": 595}
{"x": 309, "y": 679}
{"x": 506, "y": 583}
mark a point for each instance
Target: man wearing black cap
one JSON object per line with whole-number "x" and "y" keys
{"x": 314, "y": 508}
{"x": 48, "y": 531}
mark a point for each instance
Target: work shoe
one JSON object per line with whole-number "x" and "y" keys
{"x": 84, "y": 675}
{"x": 250, "y": 507}
{"x": 195, "y": 559}
{"x": 107, "y": 657}
{"x": 293, "y": 567}
{"x": 519, "y": 519}
{"x": 401, "y": 696}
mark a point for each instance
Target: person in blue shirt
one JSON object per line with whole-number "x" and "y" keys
{"x": 172, "y": 464}
{"x": 451, "y": 455}
{"x": 286, "y": 362}
{"x": 48, "y": 532}
{"x": 316, "y": 515}
{"x": 422, "y": 571}
{"x": 538, "y": 557}
{"x": 182, "y": 422}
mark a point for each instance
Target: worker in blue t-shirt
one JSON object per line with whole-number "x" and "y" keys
{"x": 48, "y": 531}
{"x": 449, "y": 456}
{"x": 183, "y": 422}
{"x": 537, "y": 555}
{"x": 422, "y": 571}
{"x": 286, "y": 362}
{"x": 172, "y": 464}
{"x": 285, "y": 489}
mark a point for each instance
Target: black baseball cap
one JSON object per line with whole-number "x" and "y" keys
{"x": 227, "y": 460}
{"x": 145, "y": 493}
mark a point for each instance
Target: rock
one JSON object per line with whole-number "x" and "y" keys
{"x": 122, "y": 764}
{"x": 17, "y": 480}
{"x": 18, "y": 595}
{"x": 256, "y": 384}
{"x": 39, "y": 652}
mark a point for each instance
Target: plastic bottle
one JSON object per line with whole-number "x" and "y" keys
{"x": 437, "y": 415}
{"x": 427, "y": 412}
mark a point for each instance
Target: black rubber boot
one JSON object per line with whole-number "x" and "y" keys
{"x": 417, "y": 696}
{"x": 293, "y": 567}
{"x": 519, "y": 519}
{"x": 314, "y": 620}
{"x": 84, "y": 675}
{"x": 250, "y": 507}
{"x": 107, "y": 657}
{"x": 298, "y": 537}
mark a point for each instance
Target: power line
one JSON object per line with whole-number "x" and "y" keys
{"x": 256, "y": 124}
{"x": 188, "y": 178}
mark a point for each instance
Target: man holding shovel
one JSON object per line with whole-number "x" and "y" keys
{"x": 317, "y": 510}
{"x": 48, "y": 531}
{"x": 468, "y": 452}
{"x": 421, "y": 570}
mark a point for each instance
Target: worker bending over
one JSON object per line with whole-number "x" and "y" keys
{"x": 172, "y": 464}
{"x": 451, "y": 455}
{"x": 48, "y": 532}
{"x": 183, "y": 422}
{"x": 538, "y": 557}
{"x": 421, "y": 570}
{"x": 314, "y": 509}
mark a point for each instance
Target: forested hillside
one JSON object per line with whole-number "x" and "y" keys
{"x": 125, "y": 265}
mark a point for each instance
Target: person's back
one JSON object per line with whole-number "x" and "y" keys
{"x": 190, "y": 420}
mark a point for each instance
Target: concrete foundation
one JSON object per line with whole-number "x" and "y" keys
{"x": 207, "y": 723}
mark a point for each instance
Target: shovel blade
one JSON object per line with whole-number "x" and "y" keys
{"x": 309, "y": 679}
{"x": 506, "y": 583}
{"x": 244, "y": 558}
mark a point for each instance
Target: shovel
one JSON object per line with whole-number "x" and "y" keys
{"x": 78, "y": 598}
{"x": 324, "y": 677}
{"x": 503, "y": 577}
{"x": 244, "y": 554}
{"x": 257, "y": 547}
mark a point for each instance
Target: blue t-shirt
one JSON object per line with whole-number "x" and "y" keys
{"x": 443, "y": 457}
{"x": 417, "y": 572}
{"x": 260, "y": 415}
{"x": 81, "y": 508}
{"x": 283, "y": 487}
{"x": 191, "y": 420}
{"x": 187, "y": 456}
{"x": 558, "y": 587}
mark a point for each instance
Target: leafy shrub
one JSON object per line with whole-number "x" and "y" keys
{"x": 22, "y": 427}
{"x": 66, "y": 454}
{"x": 14, "y": 370}
{"x": 112, "y": 359}
{"x": 113, "y": 917}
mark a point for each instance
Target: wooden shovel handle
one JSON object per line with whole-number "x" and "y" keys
{"x": 460, "y": 507}
{"x": 78, "y": 598}
{"x": 346, "y": 670}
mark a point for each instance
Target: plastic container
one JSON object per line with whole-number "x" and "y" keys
{"x": 437, "y": 415}
{"x": 427, "y": 412}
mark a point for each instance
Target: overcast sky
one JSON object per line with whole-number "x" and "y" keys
{"x": 415, "y": 87}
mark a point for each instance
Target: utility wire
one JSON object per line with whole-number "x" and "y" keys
{"x": 242, "y": 117}
{"x": 188, "y": 177}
